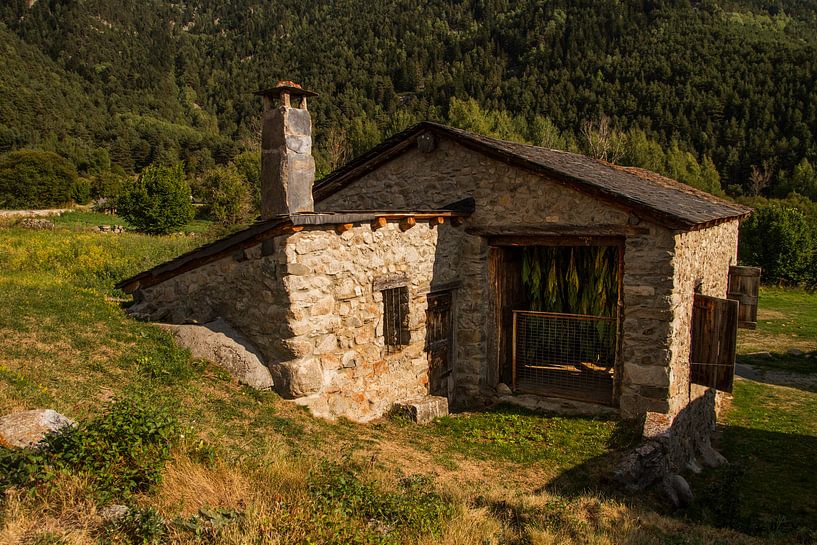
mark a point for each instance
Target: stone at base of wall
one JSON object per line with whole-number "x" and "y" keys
{"x": 423, "y": 410}
{"x": 671, "y": 445}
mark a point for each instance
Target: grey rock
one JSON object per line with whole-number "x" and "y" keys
{"x": 114, "y": 512}
{"x": 670, "y": 494}
{"x": 27, "y": 428}
{"x": 503, "y": 389}
{"x": 423, "y": 410}
{"x": 694, "y": 467}
{"x": 297, "y": 378}
{"x": 794, "y": 352}
{"x": 710, "y": 457}
{"x": 681, "y": 488}
{"x": 219, "y": 343}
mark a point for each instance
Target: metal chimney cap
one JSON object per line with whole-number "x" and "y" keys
{"x": 288, "y": 87}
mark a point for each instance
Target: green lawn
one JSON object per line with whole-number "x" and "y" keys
{"x": 787, "y": 319}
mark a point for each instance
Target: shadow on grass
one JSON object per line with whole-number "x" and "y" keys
{"x": 766, "y": 490}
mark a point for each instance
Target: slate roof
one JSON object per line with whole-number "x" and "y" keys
{"x": 668, "y": 202}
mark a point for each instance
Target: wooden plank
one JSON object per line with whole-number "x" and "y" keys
{"x": 390, "y": 281}
{"x": 555, "y": 240}
{"x": 744, "y": 286}
{"x": 714, "y": 342}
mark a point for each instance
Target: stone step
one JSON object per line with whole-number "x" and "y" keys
{"x": 423, "y": 410}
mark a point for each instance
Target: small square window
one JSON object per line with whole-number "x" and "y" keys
{"x": 396, "y": 316}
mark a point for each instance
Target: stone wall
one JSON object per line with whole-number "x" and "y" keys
{"x": 246, "y": 289}
{"x": 702, "y": 258}
{"x": 342, "y": 365}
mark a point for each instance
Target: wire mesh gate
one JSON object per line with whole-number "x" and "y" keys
{"x": 564, "y": 355}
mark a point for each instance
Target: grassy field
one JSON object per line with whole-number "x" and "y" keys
{"x": 199, "y": 459}
{"x": 787, "y": 319}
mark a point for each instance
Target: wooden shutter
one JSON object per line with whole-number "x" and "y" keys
{"x": 744, "y": 283}
{"x": 714, "y": 342}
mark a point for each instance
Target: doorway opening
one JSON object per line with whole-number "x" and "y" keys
{"x": 558, "y": 306}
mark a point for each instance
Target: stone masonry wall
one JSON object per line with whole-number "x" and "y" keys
{"x": 342, "y": 365}
{"x": 701, "y": 258}
{"x": 507, "y": 196}
{"x": 246, "y": 289}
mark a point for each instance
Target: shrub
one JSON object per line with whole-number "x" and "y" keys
{"x": 81, "y": 191}
{"x": 779, "y": 239}
{"x": 158, "y": 202}
{"x": 122, "y": 452}
{"x": 227, "y": 196}
{"x": 35, "y": 179}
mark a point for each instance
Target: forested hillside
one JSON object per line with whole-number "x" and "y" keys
{"x": 732, "y": 83}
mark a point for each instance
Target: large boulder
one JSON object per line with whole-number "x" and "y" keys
{"x": 298, "y": 378}
{"x": 27, "y": 428}
{"x": 219, "y": 343}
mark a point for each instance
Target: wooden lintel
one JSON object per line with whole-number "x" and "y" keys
{"x": 558, "y": 230}
{"x": 343, "y": 227}
{"x": 379, "y": 223}
{"x": 555, "y": 240}
{"x": 389, "y": 281}
{"x": 407, "y": 223}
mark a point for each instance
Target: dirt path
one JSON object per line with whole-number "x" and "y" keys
{"x": 33, "y": 213}
{"x": 776, "y": 376}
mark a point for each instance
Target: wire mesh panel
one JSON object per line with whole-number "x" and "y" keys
{"x": 564, "y": 355}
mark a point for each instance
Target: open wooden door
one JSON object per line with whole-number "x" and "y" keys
{"x": 744, "y": 285}
{"x": 714, "y": 342}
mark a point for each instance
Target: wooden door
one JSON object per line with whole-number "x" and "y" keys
{"x": 744, "y": 284}
{"x": 714, "y": 342}
{"x": 438, "y": 342}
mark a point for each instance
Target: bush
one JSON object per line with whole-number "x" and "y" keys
{"x": 158, "y": 202}
{"x": 122, "y": 452}
{"x": 35, "y": 179}
{"x": 81, "y": 191}
{"x": 778, "y": 238}
{"x": 227, "y": 196}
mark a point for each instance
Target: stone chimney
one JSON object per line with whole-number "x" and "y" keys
{"x": 287, "y": 165}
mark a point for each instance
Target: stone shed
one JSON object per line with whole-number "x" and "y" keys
{"x": 450, "y": 264}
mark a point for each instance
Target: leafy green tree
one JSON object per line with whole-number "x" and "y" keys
{"x": 804, "y": 180}
{"x": 158, "y": 202}
{"x": 227, "y": 195}
{"x": 35, "y": 179}
{"x": 779, "y": 239}
{"x": 248, "y": 166}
